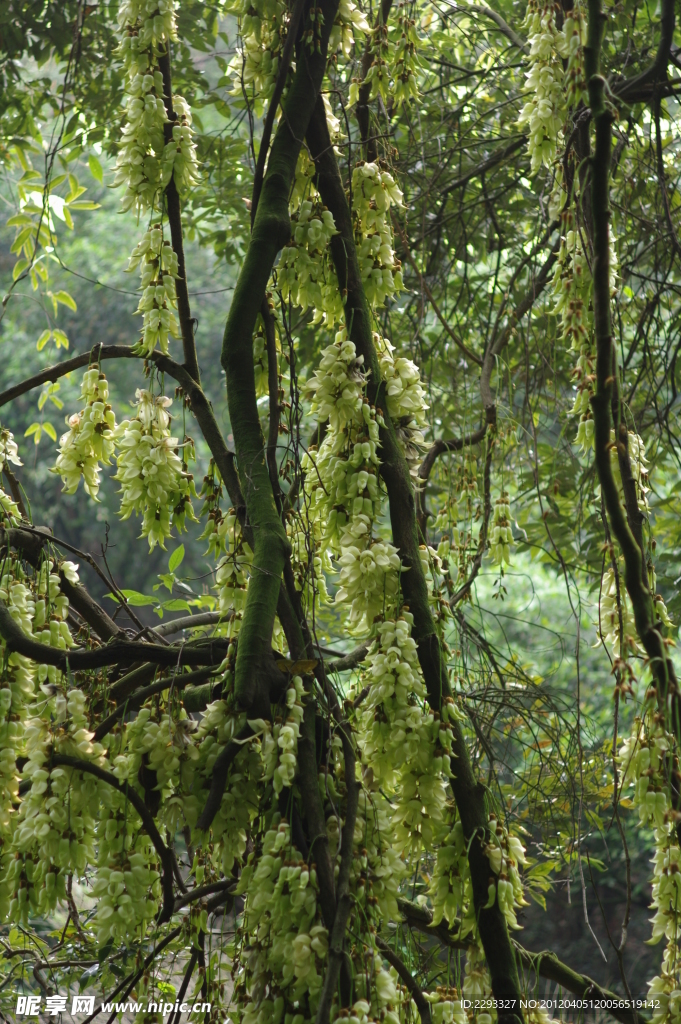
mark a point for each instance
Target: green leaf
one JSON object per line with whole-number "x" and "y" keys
{"x": 66, "y": 300}
{"x": 43, "y": 340}
{"x": 60, "y": 338}
{"x": 176, "y": 558}
{"x": 19, "y": 268}
{"x": 49, "y": 430}
{"x": 84, "y": 204}
{"x": 36, "y": 430}
{"x": 176, "y": 605}
{"x": 74, "y": 194}
{"x": 134, "y": 598}
{"x": 55, "y": 182}
{"x": 18, "y": 220}
{"x": 95, "y": 168}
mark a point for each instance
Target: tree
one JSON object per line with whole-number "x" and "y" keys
{"x": 427, "y": 272}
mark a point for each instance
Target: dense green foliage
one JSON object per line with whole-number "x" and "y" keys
{"x": 420, "y": 501}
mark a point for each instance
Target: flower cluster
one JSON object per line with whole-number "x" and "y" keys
{"x": 574, "y": 33}
{"x": 405, "y": 61}
{"x": 55, "y": 831}
{"x": 305, "y": 273}
{"x": 613, "y": 608}
{"x": 286, "y": 734}
{"x": 263, "y": 29}
{"x": 287, "y": 944}
{"x": 369, "y": 576}
{"x": 157, "y": 261}
{"x": 393, "y": 72}
{"x": 127, "y": 883}
{"x": 349, "y": 26}
{"x": 337, "y": 387}
{"x": 644, "y": 758}
{"x": 90, "y": 438}
{"x": 155, "y": 482}
{"x": 639, "y": 466}
{"x": 501, "y": 536}
{"x": 239, "y": 802}
{"x": 405, "y": 743}
{"x": 544, "y": 111}
{"x": 9, "y": 510}
{"x": 405, "y": 399}
{"x": 149, "y": 155}
{"x": 450, "y": 888}
{"x": 232, "y": 571}
{"x": 506, "y": 855}
{"x": 374, "y": 191}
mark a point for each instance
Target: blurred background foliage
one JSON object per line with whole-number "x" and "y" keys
{"x": 473, "y": 237}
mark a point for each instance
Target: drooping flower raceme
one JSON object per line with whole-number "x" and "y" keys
{"x": 374, "y": 191}
{"x": 544, "y": 111}
{"x": 9, "y": 510}
{"x": 154, "y": 479}
{"x": 147, "y": 158}
{"x": 157, "y": 261}
{"x": 90, "y": 438}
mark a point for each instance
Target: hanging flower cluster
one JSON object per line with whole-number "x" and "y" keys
{"x": 305, "y": 273}
{"x": 146, "y": 159}
{"x": 639, "y": 466}
{"x": 90, "y": 438}
{"x": 404, "y": 742}
{"x": 501, "y": 536}
{"x": 9, "y": 510}
{"x": 374, "y": 191}
{"x": 506, "y": 855}
{"x": 405, "y": 62}
{"x": 644, "y": 758}
{"x": 233, "y": 569}
{"x": 238, "y": 807}
{"x": 348, "y": 29}
{"x": 157, "y": 261}
{"x": 127, "y": 883}
{"x": 544, "y": 111}
{"x": 612, "y": 607}
{"x": 574, "y": 33}
{"x": 56, "y": 827}
{"x": 394, "y": 68}
{"x": 287, "y": 943}
{"x": 405, "y": 399}
{"x": 155, "y": 482}
{"x": 377, "y": 78}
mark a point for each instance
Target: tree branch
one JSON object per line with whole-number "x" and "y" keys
{"x": 630, "y": 90}
{"x": 147, "y": 820}
{"x": 31, "y": 542}
{"x": 271, "y": 231}
{"x": 606, "y": 399}
{"x": 497, "y": 157}
{"x": 348, "y": 661}
{"x": 284, "y": 65}
{"x": 53, "y": 373}
{"x": 545, "y": 965}
{"x": 203, "y": 890}
{"x": 218, "y": 782}
{"x": 470, "y": 797}
{"x": 393, "y": 959}
{"x": 175, "y": 222}
{"x": 510, "y": 34}
{"x": 118, "y": 652}
{"x": 178, "y": 682}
